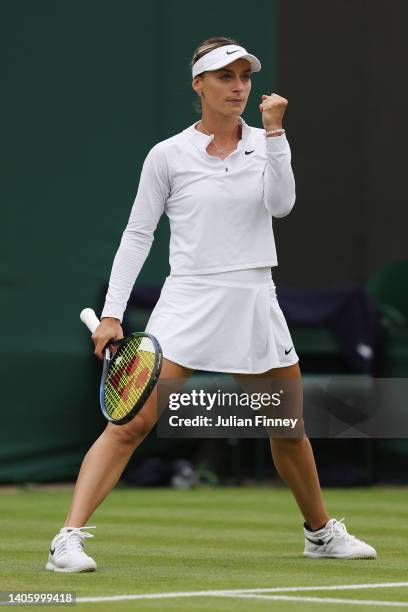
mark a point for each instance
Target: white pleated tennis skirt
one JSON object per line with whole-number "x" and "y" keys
{"x": 223, "y": 322}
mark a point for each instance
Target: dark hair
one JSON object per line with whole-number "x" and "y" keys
{"x": 205, "y": 47}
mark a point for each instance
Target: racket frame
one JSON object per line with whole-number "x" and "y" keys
{"x": 110, "y": 360}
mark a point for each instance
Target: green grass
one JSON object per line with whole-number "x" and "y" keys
{"x": 154, "y": 541}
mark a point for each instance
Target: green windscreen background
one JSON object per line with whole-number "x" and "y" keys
{"x": 88, "y": 87}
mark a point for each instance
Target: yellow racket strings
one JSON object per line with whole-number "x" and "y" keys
{"x": 129, "y": 376}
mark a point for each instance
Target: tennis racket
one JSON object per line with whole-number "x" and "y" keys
{"x": 129, "y": 373}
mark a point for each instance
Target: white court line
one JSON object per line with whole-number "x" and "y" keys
{"x": 333, "y": 600}
{"x": 239, "y": 592}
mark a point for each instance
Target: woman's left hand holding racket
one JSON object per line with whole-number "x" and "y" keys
{"x": 131, "y": 366}
{"x": 108, "y": 329}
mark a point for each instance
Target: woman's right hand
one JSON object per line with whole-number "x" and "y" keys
{"x": 108, "y": 329}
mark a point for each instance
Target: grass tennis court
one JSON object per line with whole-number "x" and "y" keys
{"x": 228, "y": 539}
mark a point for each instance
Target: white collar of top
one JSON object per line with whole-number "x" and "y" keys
{"x": 222, "y": 56}
{"x": 203, "y": 140}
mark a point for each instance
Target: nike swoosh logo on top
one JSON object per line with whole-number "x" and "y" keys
{"x": 287, "y": 352}
{"x": 52, "y": 551}
{"x": 249, "y": 152}
{"x": 230, "y": 52}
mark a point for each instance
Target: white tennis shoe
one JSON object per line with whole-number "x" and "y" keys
{"x": 333, "y": 540}
{"x": 67, "y": 551}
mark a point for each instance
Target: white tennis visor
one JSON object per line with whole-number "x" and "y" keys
{"x": 222, "y": 56}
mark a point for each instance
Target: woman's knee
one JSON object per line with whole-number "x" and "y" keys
{"x": 133, "y": 432}
{"x": 288, "y": 443}
{"x": 136, "y": 430}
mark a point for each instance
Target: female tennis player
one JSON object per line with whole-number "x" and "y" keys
{"x": 220, "y": 182}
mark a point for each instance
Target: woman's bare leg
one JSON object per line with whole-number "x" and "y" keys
{"x": 293, "y": 457}
{"x": 294, "y": 461}
{"x": 107, "y": 458}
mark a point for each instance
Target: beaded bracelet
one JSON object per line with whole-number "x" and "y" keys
{"x": 277, "y": 132}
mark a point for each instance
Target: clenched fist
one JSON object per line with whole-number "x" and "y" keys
{"x": 273, "y": 108}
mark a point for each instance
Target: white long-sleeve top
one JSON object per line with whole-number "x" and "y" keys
{"x": 220, "y": 211}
